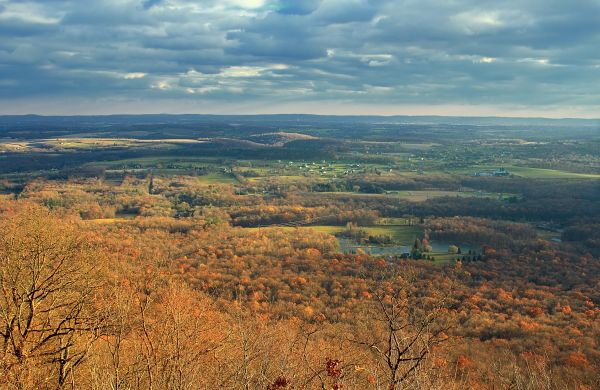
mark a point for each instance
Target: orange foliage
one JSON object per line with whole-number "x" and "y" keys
{"x": 577, "y": 359}
{"x": 566, "y": 309}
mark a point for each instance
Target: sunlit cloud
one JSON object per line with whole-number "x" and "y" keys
{"x": 364, "y": 53}
{"x": 134, "y": 75}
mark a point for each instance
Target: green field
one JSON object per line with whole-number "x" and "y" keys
{"x": 280, "y": 178}
{"x": 532, "y": 173}
{"x": 86, "y": 143}
{"x": 420, "y": 196}
{"x": 321, "y": 229}
{"x": 217, "y": 178}
{"x": 402, "y": 234}
{"x": 539, "y": 173}
{"x": 442, "y": 257}
{"x": 148, "y": 162}
{"x": 415, "y": 196}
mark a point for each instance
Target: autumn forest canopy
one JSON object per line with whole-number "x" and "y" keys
{"x": 299, "y": 252}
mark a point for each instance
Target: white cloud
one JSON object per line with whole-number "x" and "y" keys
{"x": 235, "y": 72}
{"x": 162, "y": 85}
{"x": 242, "y": 71}
{"x": 135, "y": 75}
{"x": 475, "y": 22}
{"x": 247, "y": 4}
{"x": 535, "y": 61}
{"x": 485, "y": 60}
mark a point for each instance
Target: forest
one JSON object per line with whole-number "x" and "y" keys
{"x": 299, "y": 252}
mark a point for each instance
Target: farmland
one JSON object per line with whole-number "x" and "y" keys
{"x": 309, "y": 224}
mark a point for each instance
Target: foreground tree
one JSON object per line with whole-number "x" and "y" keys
{"x": 48, "y": 280}
{"x": 402, "y": 330}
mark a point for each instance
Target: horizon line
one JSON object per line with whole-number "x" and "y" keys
{"x": 304, "y": 114}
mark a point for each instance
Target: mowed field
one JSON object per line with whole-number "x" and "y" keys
{"x": 217, "y": 178}
{"x": 155, "y": 162}
{"x": 416, "y": 196}
{"x": 401, "y": 234}
{"x": 529, "y": 172}
{"x": 540, "y": 173}
{"x": 90, "y": 143}
{"x": 420, "y": 196}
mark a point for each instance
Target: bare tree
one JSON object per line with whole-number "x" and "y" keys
{"x": 534, "y": 373}
{"x": 401, "y": 329}
{"x": 180, "y": 332}
{"x": 47, "y": 321}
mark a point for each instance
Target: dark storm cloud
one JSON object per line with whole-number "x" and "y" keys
{"x": 527, "y": 53}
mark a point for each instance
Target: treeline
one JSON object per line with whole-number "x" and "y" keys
{"x": 586, "y": 233}
{"x": 478, "y": 231}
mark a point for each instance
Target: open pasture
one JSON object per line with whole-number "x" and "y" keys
{"x": 527, "y": 172}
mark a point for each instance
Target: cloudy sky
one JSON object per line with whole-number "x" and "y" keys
{"x": 461, "y": 57}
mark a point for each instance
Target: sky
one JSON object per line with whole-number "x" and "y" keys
{"x": 411, "y": 57}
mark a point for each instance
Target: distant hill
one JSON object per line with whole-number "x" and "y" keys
{"x": 280, "y": 138}
{"x": 112, "y": 120}
{"x": 281, "y": 129}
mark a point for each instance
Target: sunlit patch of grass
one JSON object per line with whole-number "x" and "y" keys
{"x": 217, "y": 178}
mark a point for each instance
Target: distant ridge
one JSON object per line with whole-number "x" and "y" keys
{"x": 95, "y": 120}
